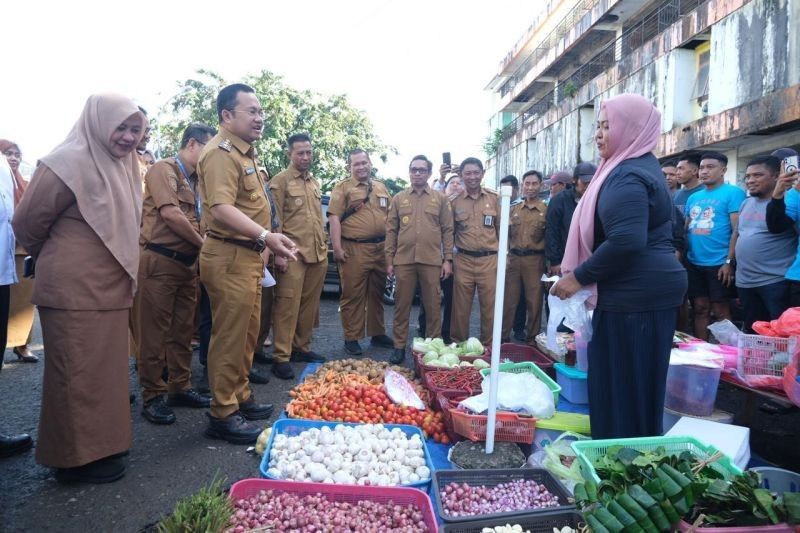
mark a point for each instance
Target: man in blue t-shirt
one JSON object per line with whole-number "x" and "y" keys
{"x": 783, "y": 212}
{"x": 712, "y": 215}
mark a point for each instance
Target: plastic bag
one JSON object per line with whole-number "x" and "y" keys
{"x": 515, "y": 392}
{"x": 575, "y": 315}
{"x": 790, "y": 384}
{"x": 725, "y": 332}
{"x": 550, "y": 458}
{"x": 787, "y": 325}
{"x": 400, "y": 390}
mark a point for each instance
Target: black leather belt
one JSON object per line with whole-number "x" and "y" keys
{"x": 525, "y": 253}
{"x": 250, "y": 245}
{"x": 185, "y": 259}
{"x": 374, "y": 240}
{"x": 476, "y": 254}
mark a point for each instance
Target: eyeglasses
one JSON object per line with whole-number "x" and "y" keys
{"x": 417, "y": 170}
{"x": 252, "y": 112}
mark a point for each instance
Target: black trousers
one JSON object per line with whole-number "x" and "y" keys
{"x": 447, "y": 309}
{"x": 5, "y": 302}
{"x": 204, "y": 325}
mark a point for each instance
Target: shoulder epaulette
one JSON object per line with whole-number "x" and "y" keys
{"x": 226, "y": 145}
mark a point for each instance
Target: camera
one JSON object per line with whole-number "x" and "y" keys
{"x": 790, "y": 164}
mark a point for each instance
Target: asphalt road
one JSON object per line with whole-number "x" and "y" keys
{"x": 167, "y": 463}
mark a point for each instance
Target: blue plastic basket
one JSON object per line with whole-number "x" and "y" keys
{"x": 293, "y": 427}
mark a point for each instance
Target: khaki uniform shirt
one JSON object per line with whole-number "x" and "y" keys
{"x": 298, "y": 206}
{"x": 419, "y": 229}
{"x": 526, "y": 227}
{"x": 476, "y": 221}
{"x": 166, "y": 185}
{"x": 369, "y": 219}
{"x": 228, "y": 175}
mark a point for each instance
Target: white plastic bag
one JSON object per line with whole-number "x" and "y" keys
{"x": 725, "y": 332}
{"x": 550, "y": 459}
{"x": 575, "y": 315}
{"x": 522, "y": 393}
{"x": 400, "y": 390}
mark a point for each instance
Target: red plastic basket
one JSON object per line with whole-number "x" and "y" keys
{"x": 342, "y": 493}
{"x": 421, "y": 368}
{"x": 523, "y": 353}
{"x": 509, "y": 427}
{"x": 434, "y": 389}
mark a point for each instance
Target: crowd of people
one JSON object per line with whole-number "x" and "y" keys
{"x": 133, "y": 256}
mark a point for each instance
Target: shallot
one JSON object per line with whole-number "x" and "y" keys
{"x": 461, "y": 499}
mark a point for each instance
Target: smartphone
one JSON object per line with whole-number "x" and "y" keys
{"x": 446, "y": 158}
{"x": 790, "y": 164}
{"x": 28, "y": 267}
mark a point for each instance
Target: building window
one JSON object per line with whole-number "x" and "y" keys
{"x": 700, "y": 91}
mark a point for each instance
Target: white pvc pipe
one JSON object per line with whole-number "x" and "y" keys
{"x": 497, "y": 328}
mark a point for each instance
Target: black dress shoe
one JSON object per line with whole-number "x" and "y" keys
{"x": 234, "y": 429}
{"x": 252, "y": 410}
{"x": 398, "y": 356}
{"x": 382, "y": 341}
{"x": 105, "y": 470}
{"x": 352, "y": 347}
{"x": 307, "y": 357}
{"x": 119, "y": 455}
{"x": 14, "y": 444}
{"x": 132, "y": 398}
{"x": 262, "y": 358}
{"x": 25, "y": 355}
{"x": 157, "y": 411}
{"x": 283, "y": 370}
{"x": 257, "y": 377}
{"x": 189, "y": 398}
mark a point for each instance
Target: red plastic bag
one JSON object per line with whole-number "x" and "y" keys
{"x": 787, "y": 325}
{"x": 790, "y": 385}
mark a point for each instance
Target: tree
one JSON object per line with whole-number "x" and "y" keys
{"x": 334, "y": 125}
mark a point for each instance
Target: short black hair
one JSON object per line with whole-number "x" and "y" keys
{"x": 722, "y": 158}
{"x": 771, "y": 162}
{"x": 228, "y": 97}
{"x": 421, "y": 157}
{"x": 297, "y": 138}
{"x": 471, "y": 161}
{"x": 512, "y": 179}
{"x": 533, "y": 173}
{"x": 355, "y": 151}
{"x": 691, "y": 158}
{"x": 670, "y": 163}
{"x": 197, "y": 131}
{"x": 143, "y": 111}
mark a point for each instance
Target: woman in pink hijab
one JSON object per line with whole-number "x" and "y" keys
{"x": 620, "y": 248}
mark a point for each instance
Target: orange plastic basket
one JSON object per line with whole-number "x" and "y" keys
{"x": 509, "y": 427}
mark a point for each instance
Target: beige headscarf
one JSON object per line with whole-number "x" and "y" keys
{"x": 107, "y": 189}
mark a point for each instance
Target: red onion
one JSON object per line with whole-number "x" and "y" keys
{"x": 464, "y": 500}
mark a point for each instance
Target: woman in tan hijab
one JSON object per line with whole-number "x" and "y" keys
{"x": 20, "y": 315}
{"x": 80, "y": 219}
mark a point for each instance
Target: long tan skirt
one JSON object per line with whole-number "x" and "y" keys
{"x": 85, "y": 409}
{"x": 20, "y": 315}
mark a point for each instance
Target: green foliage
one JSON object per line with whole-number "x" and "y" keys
{"x": 570, "y": 89}
{"x": 493, "y": 142}
{"x": 394, "y": 185}
{"x": 208, "y": 510}
{"x": 334, "y": 125}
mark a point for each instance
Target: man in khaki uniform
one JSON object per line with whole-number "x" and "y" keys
{"x": 166, "y": 297}
{"x": 357, "y": 216}
{"x": 299, "y": 284}
{"x": 236, "y": 213}
{"x": 419, "y": 249}
{"x": 526, "y": 257}
{"x": 476, "y": 228}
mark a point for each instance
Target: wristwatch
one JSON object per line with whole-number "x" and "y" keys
{"x": 728, "y": 261}
{"x": 261, "y": 240}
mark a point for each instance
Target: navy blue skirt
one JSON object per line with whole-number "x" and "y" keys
{"x": 628, "y": 362}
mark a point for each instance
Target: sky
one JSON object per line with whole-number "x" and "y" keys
{"x": 417, "y": 68}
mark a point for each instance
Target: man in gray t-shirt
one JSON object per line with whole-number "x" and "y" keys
{"x": 762, "y": 258}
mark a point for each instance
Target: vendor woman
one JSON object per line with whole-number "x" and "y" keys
{"x": 620, "y": 247}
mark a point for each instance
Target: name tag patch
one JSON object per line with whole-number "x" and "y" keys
{"x": 488, "y": 221}
{"x": 383, "y": 202}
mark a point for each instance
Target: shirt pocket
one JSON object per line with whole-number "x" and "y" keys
{"x": 461, "y": 219}
{"x": 295, "y": 198}
{"x": 382, "y": 201}
{"x": 539, "y": 226}
{"x": 432, "y": 215}
{"x": 489, "y": 223}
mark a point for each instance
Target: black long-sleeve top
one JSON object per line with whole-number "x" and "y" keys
{"x": 634, "y": 263}
{"x": 559, "y": 216}
{"x": 777, "y": 219}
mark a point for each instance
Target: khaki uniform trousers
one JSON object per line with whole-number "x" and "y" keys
{"x": 526, "y": 271}
{"x": 296, "y": 307}
{"x": 165, "y": 303}
{"x": 363, "y": 281}
{"x": 232, "y": 277}
{"x": 407, "y": 277}
{"x": 471, "y": 274}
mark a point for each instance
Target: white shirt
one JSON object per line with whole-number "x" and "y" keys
{"x": 8, "y": 272}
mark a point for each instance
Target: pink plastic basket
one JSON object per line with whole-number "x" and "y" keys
{"x": 777, "y": 528}
{"x": 342, "y": 493}
{"x": 762, "y": 359}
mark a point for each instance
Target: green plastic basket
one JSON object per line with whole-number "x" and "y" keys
{"x": 587, "y": 451}
{"x": 530, "y": 368}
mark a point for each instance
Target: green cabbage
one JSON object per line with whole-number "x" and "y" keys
{"x": 480, "y": 364}
{"x": 439, "y": 363}
{"x": 430, "y": 356}
{"x": 450, "y": 359}
{"x": 472, "y": 347}
{"x": 421, "y": 345}
{"x": 436, "y": 344}
{"x": 464, "y": 363}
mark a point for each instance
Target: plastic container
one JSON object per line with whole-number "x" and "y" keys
{"x": 778, "y": 480}
{"x": 421, "y": 368}
{"x": 492, "y": 478}
{"x": 532, "y": 368}
{"x": 762, "y": 359}
{"x": 342, "y": 493}
{"x": 509, "y": 427}
{"x": 434, "y": 389}
{"x": 293, "y": 427}
{"x": 588, "y": 451}
{"x": 671, "y": 418}
{"x": 535, "y": 523}
{"x": 523, "y": 353}
{"x": 777, "y": 528}
{"x": 574, "y": 386}
{"x": 549, "y": 429}
{"x": 691, "y": 389}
